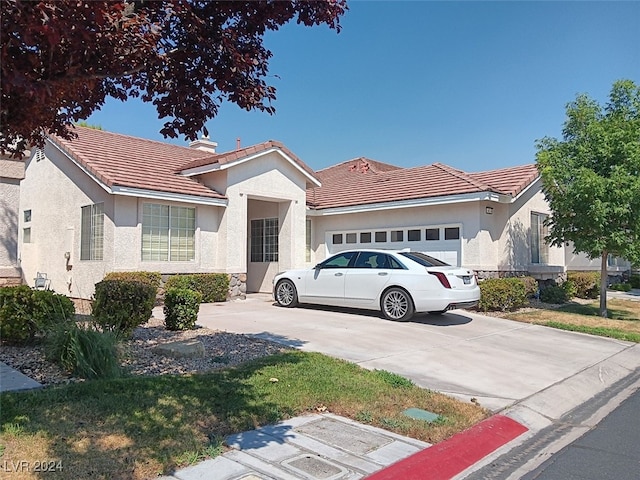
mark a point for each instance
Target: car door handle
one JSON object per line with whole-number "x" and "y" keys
{"x": 382, "y": 274}
{"x": 338, "y": 274}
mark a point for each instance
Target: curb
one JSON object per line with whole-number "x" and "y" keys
{"x": 446, "y": 459}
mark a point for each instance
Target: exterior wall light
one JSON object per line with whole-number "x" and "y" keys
{"x": 489, "y": 210}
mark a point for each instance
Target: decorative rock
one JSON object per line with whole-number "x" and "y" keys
{"x": 188, "y": 349}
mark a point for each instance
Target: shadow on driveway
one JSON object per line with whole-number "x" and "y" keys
{"x": 439, "y": 320}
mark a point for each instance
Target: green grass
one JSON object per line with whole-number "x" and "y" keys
{"x": 622, "y": 323}
{"x": 593, "y": 310}
{"x": 140, "y": 427}
{"x": 599, "y": 331}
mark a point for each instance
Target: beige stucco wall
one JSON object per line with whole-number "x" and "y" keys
{"x": 127, "y": 243}
{"x": 580, "y": 262}
{"x": 516, "y": 241}
{"x": 54, "y": 189}
{"x": 11, "y": 172}
{"x": 270, "y": 183}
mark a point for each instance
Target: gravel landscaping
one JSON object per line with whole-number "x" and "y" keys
{"x": 222, "y": 349}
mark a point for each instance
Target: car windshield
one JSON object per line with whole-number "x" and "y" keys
{"x": 424, "y": 259}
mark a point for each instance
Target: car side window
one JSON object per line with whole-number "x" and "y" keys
{"x": 365, "y": 260}
{"x": 339, "y": 261}
{"x": 394, "y": 264}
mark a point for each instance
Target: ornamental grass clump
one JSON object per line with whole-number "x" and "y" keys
{"x": 84, "y": 351}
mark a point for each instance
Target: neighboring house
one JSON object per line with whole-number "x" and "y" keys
{"x": 107, "y": 202}
{"x": 11, "y": 172}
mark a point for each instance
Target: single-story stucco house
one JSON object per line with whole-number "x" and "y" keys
{"x": 106, "y": 202}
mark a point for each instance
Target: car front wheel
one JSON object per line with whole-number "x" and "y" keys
{"x": 397, "y": 305}
{"x": 286, "y": 294}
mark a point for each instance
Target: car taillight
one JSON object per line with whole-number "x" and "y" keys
{"x": 443, "y": 279}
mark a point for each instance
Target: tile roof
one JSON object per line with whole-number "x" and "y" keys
{"x": 351, "y": 187}
{"x": 360, "y": 165}
{"x": 124, "y": 161}
{"x": 230, "y": 157}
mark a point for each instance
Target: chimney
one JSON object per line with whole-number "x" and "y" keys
{"x": 204, "y": 144}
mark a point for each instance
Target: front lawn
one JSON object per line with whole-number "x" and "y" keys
{"x": 623, "y": 322}
{"x": 141, "y": 427}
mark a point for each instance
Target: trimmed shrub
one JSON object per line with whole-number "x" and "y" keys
{"x": 50, "y": 309}
{"x": 554, "y": 294}
{"x": 24, "y": 312}
{"x": 621, "y": 287}
{"x": 120, "y": 306}
{"x": 634, "y": 281}
{"x": 84, "y": 351}
{"x": 214, "y": 287}
{"x": 502, "y": 294}
{"x": 16, "y": 320}
{"x": 181, "y": 307}
{"x": 530, "y": 286}
{"x": 152, "y": 278}
{"x": 570, "y": 288}
{"x": 587, "y": 284}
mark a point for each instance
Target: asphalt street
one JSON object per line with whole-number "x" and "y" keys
{"x": 597, "y": 440}
{"x": 611, "y": 450}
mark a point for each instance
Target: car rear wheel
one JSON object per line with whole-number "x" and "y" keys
{"x": 286, "y": 294}
{"x": 397, "y": 305}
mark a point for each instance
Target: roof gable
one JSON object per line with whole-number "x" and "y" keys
{"x": 227, "y": 159}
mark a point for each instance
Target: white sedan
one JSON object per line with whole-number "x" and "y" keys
{"x": 397, "y": 282}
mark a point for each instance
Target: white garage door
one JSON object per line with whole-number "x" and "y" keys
{"x": 441, "y": 241}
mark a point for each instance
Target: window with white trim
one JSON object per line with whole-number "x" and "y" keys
{"x": 539, "y": 248}
{"x": 307, "y": 246}
{"x": 26, "y": 231}
{"x": 264, "y": 240}
{"x": 92, "y": 232}
{"x": 168, "y": 233}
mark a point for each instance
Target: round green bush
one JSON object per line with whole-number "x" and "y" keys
{"x": 621, "y": 287}
{"x": 51, "y": 309}
{"x": 553, "y": 294}
{"x": 502, "y": 294}
{"x": 120, "y": 306}
{"x": 16, "y": 319}
{"x": 24, "y": 312}
{"x": 587, "y": 284}
{"x": 181, "y": 307}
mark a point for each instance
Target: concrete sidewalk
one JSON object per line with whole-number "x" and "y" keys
{"x": 13, "y": 380}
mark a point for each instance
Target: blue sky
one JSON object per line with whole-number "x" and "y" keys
{"x": 469, "y": 84}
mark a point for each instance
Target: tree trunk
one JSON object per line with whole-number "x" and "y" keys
{"x": 604, "y": 277}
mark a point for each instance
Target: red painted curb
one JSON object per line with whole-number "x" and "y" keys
{"x": 445, "y": 460}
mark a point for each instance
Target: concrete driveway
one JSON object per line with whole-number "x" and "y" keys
{"x": 496, "y": 361}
